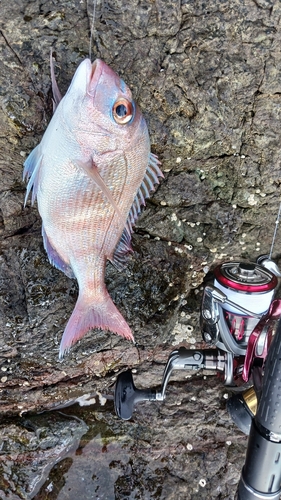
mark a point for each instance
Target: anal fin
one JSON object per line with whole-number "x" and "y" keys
{"x": 55, "y": 258}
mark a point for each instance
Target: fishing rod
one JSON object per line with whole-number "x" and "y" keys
{"x": 261, "y": 474}
{"x": 239, "y": 315}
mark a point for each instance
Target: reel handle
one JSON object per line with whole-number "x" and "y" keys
{"x": 261, "y": 475}
{"x": 127, "y": 395}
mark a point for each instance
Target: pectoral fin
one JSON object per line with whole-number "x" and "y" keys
{"x": 91, "y": 170}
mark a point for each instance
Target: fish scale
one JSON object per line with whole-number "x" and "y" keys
{"x": 91, "y": 174}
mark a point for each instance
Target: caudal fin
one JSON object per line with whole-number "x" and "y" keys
{"x": 103, "y": 314}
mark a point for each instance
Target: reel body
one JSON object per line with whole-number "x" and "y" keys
{"x": 238, "y": 315}
{"x": 248, "y": 292}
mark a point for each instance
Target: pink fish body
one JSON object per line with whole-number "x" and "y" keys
{"x": 90, "y": 174}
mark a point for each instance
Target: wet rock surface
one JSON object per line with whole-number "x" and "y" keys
{"x": 160, "y": 453}
{"x": 207, "y": 78}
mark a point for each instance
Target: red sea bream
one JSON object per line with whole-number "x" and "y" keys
{"x": 91, "y": 173}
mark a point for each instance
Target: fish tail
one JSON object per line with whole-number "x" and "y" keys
{"x": 102, "y": 314}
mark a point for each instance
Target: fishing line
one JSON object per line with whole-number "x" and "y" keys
{"x": 92, "y": 28}
{"x": 275, "y": 231}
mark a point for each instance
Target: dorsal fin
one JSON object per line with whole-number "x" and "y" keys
{"x": 150, "y": 179}
{"x": 122, "y": 251}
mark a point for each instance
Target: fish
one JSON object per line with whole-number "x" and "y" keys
{"x": 91, "y": 174}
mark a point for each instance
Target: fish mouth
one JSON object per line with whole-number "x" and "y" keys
{"x": 94, "y": 76}
{"x": 100, "y": 73}
{"x": 94, "y": 68}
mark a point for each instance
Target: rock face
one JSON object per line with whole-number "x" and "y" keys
{"x": 207, "y": 77}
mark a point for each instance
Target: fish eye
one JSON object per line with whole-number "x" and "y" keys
{"x": 123, "y": 111}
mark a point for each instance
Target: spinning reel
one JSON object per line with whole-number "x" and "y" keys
{"x": 238, "y": 317}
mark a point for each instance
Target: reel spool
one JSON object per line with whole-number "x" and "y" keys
{"x": 233, "y": 304}
{"x": 247, "y": 285}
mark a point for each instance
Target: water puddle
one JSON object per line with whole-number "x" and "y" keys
{"x": 70, "y": 454}
{"x": 186, "y": 448}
